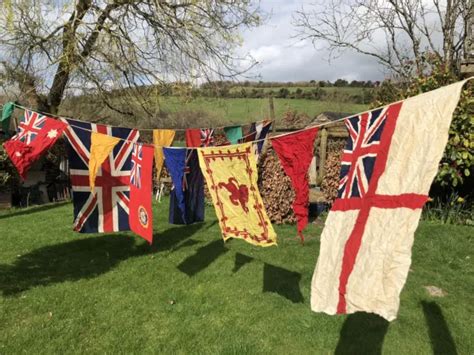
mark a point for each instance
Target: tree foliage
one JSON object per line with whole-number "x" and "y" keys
{"x": 52, "y": 48}
{"x": 397, "y": 33}
{"x": 458, "y": 159}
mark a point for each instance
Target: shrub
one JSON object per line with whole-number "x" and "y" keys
{"x": 458, "y": 158}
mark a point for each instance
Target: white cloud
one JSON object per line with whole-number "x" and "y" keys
{"x": 282, "y": 57}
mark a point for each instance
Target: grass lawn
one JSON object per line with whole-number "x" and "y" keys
{"x": 249, "y": 110}
{"x": 190, "y": 293}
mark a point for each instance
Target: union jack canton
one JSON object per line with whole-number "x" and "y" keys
{"x": 207, "y": 137}
{"x": 137, "y": 159}
{"x": 107, "y": 210}
{"x": 358, "y": 159}
{"x": 29, "y": 127}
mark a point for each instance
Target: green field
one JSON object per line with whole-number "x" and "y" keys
{"x": 248, "y": 110}
{"x": 191, "y": 293}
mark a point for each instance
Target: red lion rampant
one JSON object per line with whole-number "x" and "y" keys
{"x": 239, "y": 194}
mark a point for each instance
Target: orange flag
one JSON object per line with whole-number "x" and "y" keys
{"x": 101, "y": 146}
{"x": 161, "y": 138}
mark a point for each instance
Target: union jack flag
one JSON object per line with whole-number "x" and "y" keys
{"x": 358, "y": 159}
{"x": 137, "y": 160}
{"x": 29, "y": 126}
{"x": 207, "y": 137}
{"x": 107, "y": 210}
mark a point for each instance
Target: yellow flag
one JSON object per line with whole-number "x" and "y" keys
{"x": 161, "y": 138}
{"x": 231, "y": 174}
{"x": 101, "y": 146}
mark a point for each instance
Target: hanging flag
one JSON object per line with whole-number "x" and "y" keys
{"x": 141, "y": 189}
{"x": 389, "y": 162}
{"x": 295, "y": 152}
{"x": 101, "y": 147}
{"x": 233, "y": 134}
{"x": 36, "y": 134}
{"x": 199, "y": 137}
{"x": 7, "y": 113}
{"x": 108, "y": 209}
{"x": 187, "y": 194}
{"x": 258, "y": 132}
{"x": 161, "y": 138}
{"x": 231, "y": 174}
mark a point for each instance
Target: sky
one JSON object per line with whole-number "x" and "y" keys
{"x": 283, "y": 58}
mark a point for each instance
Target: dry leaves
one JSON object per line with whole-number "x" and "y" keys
{"x": 330, "y": 182}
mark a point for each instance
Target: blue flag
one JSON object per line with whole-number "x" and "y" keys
{"x": 187, "y": 195}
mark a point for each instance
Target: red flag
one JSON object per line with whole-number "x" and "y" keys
{"x": 36, "y": 135}
{"x": 199, "y": 137}
{"x": 296, "y": 152}
{"x": 140, "y": 212}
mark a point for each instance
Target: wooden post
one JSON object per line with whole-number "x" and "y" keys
{"x": 322, "y": 153}
{"x": 272, "y": 113}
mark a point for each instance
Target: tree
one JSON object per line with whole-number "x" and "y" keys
{"x": 405, "y": 30}
{"x": 52, "y": 48}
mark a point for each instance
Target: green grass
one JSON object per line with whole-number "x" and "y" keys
{"x": 249, "y": 110}
{"x": 190, "y": 293}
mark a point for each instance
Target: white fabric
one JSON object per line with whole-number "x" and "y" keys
{"x": 384, "y": 257}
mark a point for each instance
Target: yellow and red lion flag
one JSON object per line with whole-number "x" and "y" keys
{"x": 231, "y": 175}
{"x": 387, "y": 167}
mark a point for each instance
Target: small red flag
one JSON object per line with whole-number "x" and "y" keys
{"x": 296, "y": 152}
{"x": 36, "y": 134}
{"x": 140, "y": 212}
{"x": 199, "y": 137}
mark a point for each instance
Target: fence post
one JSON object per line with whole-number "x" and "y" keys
{"x": 272, "y": 113}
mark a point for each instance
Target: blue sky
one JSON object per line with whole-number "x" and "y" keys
{"x": 283, "y": 58}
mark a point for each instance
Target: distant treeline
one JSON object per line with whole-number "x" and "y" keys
{"x": 290, "y": 84}
{"x": 359, "y": 92}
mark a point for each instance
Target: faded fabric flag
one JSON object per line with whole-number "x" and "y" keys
{"x": 199, "y": 137}
{"x": 7, "y": 113}
{"x": 141, "y": 190}
{"x": 231, "y": 175}
{"x": 187, "y": 194}
{"x": 233, "y": 134}
{"x": 389, "y": 162}
{"x": 295, "y": 152}
{"x": 161, "y": 138}
{"x": 36, "y": 134}
{"x": 101, "y": 147}
{"x": 108, "y": 209}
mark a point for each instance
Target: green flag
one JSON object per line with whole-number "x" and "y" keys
{"x": 6, "y": 116}
{"x": 233, "y": 134}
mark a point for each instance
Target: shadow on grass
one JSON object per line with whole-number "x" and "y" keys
{"x": 362, "y": 333}
{"x": 30, "y": 210}
{"x": 241, "y": 260}
{"x": 171, "y": 238}
{"x": 442, "y": 341}
{"x": 84, "y": 258}
{"x": 78, "y": 259}
{"x": 204, "y": 257}
{"x": 282, "y": 281}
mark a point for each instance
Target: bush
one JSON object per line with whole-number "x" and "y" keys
{"x": 458, "y": 158}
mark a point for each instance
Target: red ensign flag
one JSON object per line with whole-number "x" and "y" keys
{"x": 141, "y": 215}
{"x": 36, "y": 134}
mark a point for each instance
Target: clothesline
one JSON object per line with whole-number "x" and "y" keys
{"x": 161, "y": 146}
{"x": 141, "y": 129}
{"x": 253, "y": 141}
